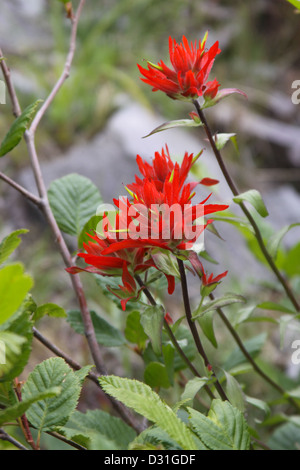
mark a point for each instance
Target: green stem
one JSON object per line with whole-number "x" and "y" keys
{"x": 235, "y": 192}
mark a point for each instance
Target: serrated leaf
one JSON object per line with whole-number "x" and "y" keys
{"x": 52, "y": 310}
{"x": 255, "y": 199}
{"x": 47, "y": 414}
{"x": 227, "y": 299}
{"x": 174, "y": 124}
{"x": 13, "y": 412}
{"x": 152, "y": 320}
{"x": 82, "y": 373}
{"x": 16, "y": 132}
{"x": 14, "y": 285}
{"x": 224, "y": 428}
{"x": 99, "y": 429}
{"x": 144, "y": 401}
{"x": 106, "y": 334}
{"x": 9, "y": 244}
{"x": 74, "y": 199}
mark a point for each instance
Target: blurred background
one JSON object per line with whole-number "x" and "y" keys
{"x": 96, "y": 124}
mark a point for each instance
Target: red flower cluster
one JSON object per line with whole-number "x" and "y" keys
{"x": 189, "y": 76}
{"x": 144, "y": 228}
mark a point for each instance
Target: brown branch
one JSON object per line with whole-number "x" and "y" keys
{"x": 30, "y": 196}
{"x": 45, "y": 206}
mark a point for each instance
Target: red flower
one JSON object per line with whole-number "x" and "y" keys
{"x": 189, "y": 76}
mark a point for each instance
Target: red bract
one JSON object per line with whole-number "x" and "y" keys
{"x": 189, "y": 76}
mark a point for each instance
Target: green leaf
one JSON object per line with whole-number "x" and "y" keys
{"x": 20, "y": 325}
{"x": 16, "y": 132}
{"x": 90, "y": 227}
{"x": 156, "y": 375}
{"x": 106, "y": 334}
{"x": 152, "y": 320}
{"x": 222, "y": 139}
{"x": 259, "y": 404}
{"x": 206, "y": 323}
{"x": 13, "y": 412}
{"x": 254, "y": 198}
{"x": 9, "y": 244}
{"x": 74, "y": 199}
{"x": 192, "y": 387}
{"x": 295, "y": 3}
{"x": 144, "y": 401}
{"x": 291, "y": 264}
{"x": 234, "y": 392}
{"x": 134, "y": 332}
{"x": 253, "y": 346}
{"x": 47, "y": 414}
{"x": 286, "y": 437}
{"x": 212, "y": 305}
{"x": 174, "y": 124}
{"x": 275, "y": 240}
{"x": 98, "y": 429}
{"x": 82, "y": 373}
{"x": 52, "y": 310}
{"x": 14, "y": 285}
{"x": 10, "y": 353}
{"x": 275, "y": 307}
{"x": 223, "y": 429}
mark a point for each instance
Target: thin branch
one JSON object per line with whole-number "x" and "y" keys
{"x": 6, "y": 437}
{"x": 30, "y": 196}
{"x": 235, "y": 192}
{"x": 30, "y": 140}
{"x": 94, "y": 377}
{"x": 193, "y": 327}
{"x": 66, "y": 71}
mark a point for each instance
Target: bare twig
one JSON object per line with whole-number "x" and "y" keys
{"x": 66, "y": 71}
{"x": 44, "y": 205}
{"x": 6, "y": 437}
{"x": 31, "y": 197}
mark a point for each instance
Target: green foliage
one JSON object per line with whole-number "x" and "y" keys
{"x": 74, "y": 199}
{"x": 14, "y": 285}
{"x": 106, "y": 334}
{"x": 224, "y": 428}
{"x": 144, "y": 401}
{"x": 9, "y": 244}
{"x": 17, "y": 130}
{"x": 255, "y": 199}
{"x": 98, "y": 430}
{"x": 49, "y": 413}
{"x": 152, "y": 321}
